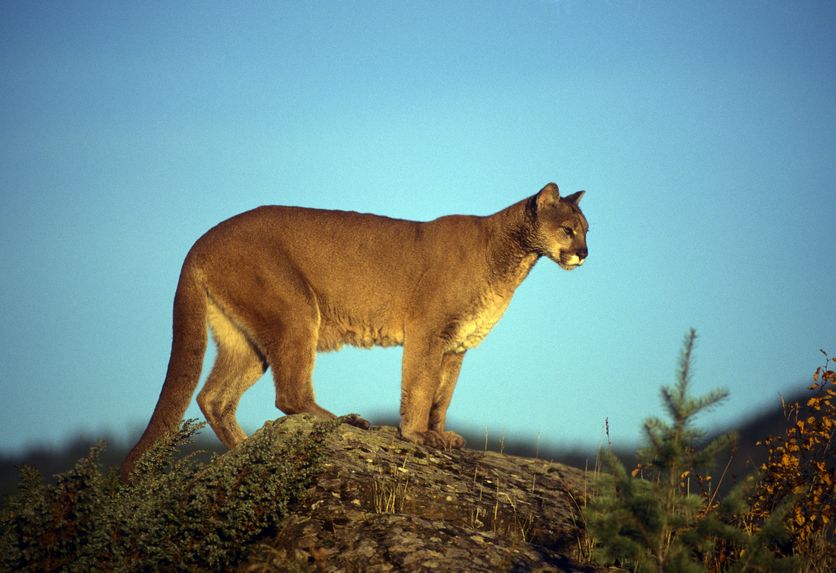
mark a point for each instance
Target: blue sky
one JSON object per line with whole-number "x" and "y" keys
{"x": 704, "y": 134}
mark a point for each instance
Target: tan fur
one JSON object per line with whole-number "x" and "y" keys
{"x": 277, "y": 284}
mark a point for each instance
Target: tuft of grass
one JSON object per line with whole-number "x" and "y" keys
{"x": 390, "y": 492}
{"x": 175, "y": 514}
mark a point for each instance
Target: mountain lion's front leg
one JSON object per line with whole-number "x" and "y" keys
{"x": 428, "y": 379}
{"x": 451, "y": 364}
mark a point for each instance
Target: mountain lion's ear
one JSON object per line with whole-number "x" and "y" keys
{"x": 548, "y": 195}
{"x": 575, "y": 197}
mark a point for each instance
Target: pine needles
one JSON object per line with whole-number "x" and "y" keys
{"x": 664, "y": 515}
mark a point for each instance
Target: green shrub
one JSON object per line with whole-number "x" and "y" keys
{"x": 175, "y": 515}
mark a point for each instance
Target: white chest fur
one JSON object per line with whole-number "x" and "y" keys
{"x": 473, "y": 326}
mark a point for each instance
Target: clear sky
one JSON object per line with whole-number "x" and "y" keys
{"x": 703, "y": 132}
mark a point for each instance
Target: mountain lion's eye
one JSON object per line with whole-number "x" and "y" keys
{"x": 569, "y": 232}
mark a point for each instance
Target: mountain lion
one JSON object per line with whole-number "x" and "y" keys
{"x": 277, "y": 284}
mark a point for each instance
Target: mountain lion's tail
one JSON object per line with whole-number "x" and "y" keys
{"x": 187, "y": 349}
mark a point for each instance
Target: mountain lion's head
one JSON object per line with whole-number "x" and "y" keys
{"x": 560, "y": 227}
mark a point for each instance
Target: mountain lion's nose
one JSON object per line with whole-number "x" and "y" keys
{"x": 581, "y": 253}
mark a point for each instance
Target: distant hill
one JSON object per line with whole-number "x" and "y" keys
{"x": 53, "y": 460}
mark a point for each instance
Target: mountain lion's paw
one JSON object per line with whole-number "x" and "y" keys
{"x": 355, "y": 420}
{"x": 453, "y": 440}
{"x": 440, "y": 440}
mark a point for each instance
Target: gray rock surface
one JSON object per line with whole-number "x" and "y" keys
{"x": 383, "y": 504}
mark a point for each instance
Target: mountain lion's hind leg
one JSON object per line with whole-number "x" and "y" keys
{"x": 237, "y": 367}
{"x": 292, "y": 357}
{"x": 285, "y": 331}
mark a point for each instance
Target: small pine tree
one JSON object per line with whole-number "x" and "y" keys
{"x": 649, "y": 519}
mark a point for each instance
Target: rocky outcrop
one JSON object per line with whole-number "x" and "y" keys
{"x": 383, "y": 504}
